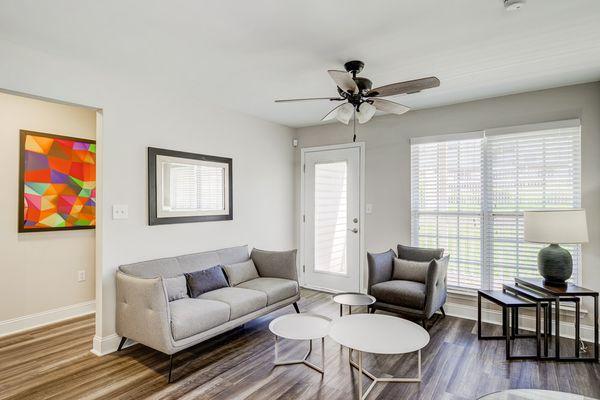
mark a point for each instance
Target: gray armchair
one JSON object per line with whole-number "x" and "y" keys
{"x": 402, "y": 284}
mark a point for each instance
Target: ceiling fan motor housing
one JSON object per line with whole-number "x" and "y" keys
{"x": 354, "y": 67}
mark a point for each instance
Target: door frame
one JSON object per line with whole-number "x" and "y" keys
{"x": 362, "y": 213}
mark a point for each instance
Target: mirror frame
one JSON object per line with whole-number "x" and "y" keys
{"x": 153, "y": 218}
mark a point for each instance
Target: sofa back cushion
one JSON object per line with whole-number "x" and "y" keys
{"x": 407, "y": 270}
{"x": 176, "y": 288}
{"x": 419, "y": 253}
{"x": 177, "y": 266}
{"x": 240, "y": 272}
{"x": 205, "y": 280}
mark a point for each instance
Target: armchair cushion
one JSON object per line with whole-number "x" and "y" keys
{"x": 419, "y": 253}
{"x": 407, "y": 270}
{"x": 402, "y": 293}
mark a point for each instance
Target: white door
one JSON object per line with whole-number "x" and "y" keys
{"x": 331, "y": 219}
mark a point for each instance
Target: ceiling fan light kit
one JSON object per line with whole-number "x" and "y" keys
{"x": 361, "y": 100}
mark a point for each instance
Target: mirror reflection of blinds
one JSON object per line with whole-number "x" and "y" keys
{"x": 468, "y": 196}
{"x": 197, "y": 187}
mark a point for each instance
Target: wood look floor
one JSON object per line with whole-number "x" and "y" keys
{"x": 55, "y": 362}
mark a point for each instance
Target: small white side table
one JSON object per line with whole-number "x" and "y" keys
{"x": 304, "y": 326}
{"x": 533, "y": 394}
{"x": 378, "y": 334}
{"x": 352, "y": 299}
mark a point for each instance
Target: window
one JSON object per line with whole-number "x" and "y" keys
{"x": 469, "y": 193}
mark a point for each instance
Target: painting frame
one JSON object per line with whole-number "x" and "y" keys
{"x": 153, "y": 217}
{"x": 21, "y": 218}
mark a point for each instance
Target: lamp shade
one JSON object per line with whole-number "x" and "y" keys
{"x": 556, "y": 226}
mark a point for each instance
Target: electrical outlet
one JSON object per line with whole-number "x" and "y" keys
{"x": 120, "y": 211}
{"x": 80, "y": 276}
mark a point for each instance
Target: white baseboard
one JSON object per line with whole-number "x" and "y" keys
{"x": 525, "y": 321}
{"x": 105, "y": 345}
{"x": 26, "y": 322}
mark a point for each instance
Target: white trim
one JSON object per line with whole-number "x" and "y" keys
{"x": 448, "y": 137}
{"x": 543, "y": 126}
{"x": 525, "y": 321}
{"x": 108, "y": 344}
{"x": 26, "y": 322}
{"x": 362, "y": 250}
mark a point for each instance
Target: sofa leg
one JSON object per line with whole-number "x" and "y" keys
{"x": 296, "y": 307}
{"x": 123, "y": 340}
{"x": 371, "y": 310}
{"x": 443, "y": 311}
{"x": 170, "y": 367}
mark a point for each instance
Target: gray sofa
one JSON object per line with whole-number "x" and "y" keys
{"x": 420, "y": 292}
{"x": 150, "y": 311}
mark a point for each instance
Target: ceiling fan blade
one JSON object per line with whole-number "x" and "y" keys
{"x": 389, "y": 106}
{"x": 413, "y": 86}
{"x": 309, "y": 98}
{"x": 343, "y": 80}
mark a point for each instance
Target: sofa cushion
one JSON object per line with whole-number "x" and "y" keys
{"x": 275, "y": 264}
{"x": 276, "y": 289}
{"x": 401, "y": 293}
{"x": 192, "y": 316}
{"x": 240, "y": 272}
{"x": 407, "y": 270}
{"x": 176, "y": 288}
{"x": 419, "y": 253}
{"x": 205, "y": 280}
{"x": 241, "y": 301}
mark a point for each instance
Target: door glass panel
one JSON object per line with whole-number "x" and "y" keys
{"x": 331, "y": 211}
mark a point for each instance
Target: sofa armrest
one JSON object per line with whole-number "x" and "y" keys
{"x": 381, "y": 267}
{"x": 436, "y": 291}
{"x": 275, "y": 264}
{"x": 143, "y": 311}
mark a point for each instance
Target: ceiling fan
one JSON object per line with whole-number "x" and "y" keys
{"x": 360, "y": 100}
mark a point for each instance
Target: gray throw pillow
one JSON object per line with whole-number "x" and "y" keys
{"x": 176, "y": 288}
{"x": 407, "y": 270}
{"x": 240, "y": 272}
{"x": 205, "y": 280}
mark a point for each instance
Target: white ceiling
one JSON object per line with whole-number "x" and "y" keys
{"x": 244, "y": 54}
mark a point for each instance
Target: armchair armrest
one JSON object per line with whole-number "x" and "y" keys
{"x": 275, "y": 264}
{"x": 143, "y": 311}
{"x": 381, "y": 267}
{"x": 436, "y": 292}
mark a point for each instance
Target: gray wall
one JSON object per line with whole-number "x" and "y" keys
{"x": 388, "y": 155}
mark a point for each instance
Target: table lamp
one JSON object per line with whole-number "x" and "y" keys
{"x": 555, "y": 263}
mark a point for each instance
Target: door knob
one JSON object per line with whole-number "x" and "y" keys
{"x": 354, "y": 230}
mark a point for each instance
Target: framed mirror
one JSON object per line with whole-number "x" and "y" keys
{"x": 188, "y": 187}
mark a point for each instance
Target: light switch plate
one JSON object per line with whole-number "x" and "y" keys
{"x": 81, "y": 276}
{"x": 120, "y": 211}
{"x": 369, "y": 208}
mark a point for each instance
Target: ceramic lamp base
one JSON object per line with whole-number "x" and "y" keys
{"x": 555, "y": 264}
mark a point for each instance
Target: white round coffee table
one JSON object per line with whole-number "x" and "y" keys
{"x": 532, "y": 394}
{"x": 352, "y": 299}
{"x": 378, "y": 334}
{"x": 304, "y": 326}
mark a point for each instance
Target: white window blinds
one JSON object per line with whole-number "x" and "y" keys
{"x": 468, "y": 196}
{"x": 446, "y": 204}
{"x": 530, "y": 170}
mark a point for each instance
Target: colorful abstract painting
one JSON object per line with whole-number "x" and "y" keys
{"x": 57, "y": 183}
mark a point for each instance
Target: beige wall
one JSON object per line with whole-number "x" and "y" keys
{"x": 388, "y": 156}
{"x": 39, "y": 270}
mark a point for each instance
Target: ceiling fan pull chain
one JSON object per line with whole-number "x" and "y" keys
{"x": 354, "y": 126}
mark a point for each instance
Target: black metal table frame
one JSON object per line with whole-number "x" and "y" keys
{"x": 557, "y": 300}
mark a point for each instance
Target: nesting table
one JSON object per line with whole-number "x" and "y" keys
{"x": 304, "y": 326}
{"x": 532, "y": 394}
{"x": 378, "y": 334}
